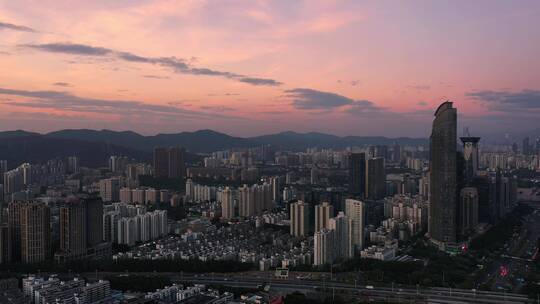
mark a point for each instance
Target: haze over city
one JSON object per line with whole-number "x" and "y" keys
{"x": 257, "y": 67}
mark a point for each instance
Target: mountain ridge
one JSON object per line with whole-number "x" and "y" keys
{"x": 207, "y": 140}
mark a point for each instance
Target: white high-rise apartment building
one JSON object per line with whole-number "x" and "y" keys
{"x": 341, "y": 225}
{"x": 227, "y": 204}
{"x": 300, "y": 219}
{"x": 190, "y": 190}
{"x": 323, "y": 249}
{"x": 354, "y": 209}
{"x": 323, "y": 213}
{"x": 246, "y": 201}
{"x": 109, "y": 189}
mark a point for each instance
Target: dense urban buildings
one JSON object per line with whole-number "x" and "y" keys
{"x": 269, "y": 152}
{"x": 274, "y": 208}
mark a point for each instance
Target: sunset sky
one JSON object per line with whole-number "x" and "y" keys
{"x": 257, "y": 67}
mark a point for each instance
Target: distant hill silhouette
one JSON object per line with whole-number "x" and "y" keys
{"x": 95, "y": 146}
{"x": 39, "y": 148}
{"x": 205, "y": 141}
{"x": 199, "y": 141}
{"x": 301, "y": 141}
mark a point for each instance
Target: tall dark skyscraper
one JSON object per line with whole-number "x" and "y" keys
{"x": 81, "y": 228}
{"x": 14, "y": 231}
{"x": 381, "y": 151}
{"x": 73, "y": 234}
{"x": 470, "y": 154}
{"x": 526, "y": 146}
{"x": 169, "y": 162}
{"x": 357, "y": 174}
{"x": 396, "y": 153}
{"x": 375, "y": 178}
{"x": 443, "y": 167}
{"x": 94, "y": 221}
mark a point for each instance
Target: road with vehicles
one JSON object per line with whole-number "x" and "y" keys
{"x": 427, "y": 295}
{"x": 414, "y": 294}
{"x": 507, "y": 272}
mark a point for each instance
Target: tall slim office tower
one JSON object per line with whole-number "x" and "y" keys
{"x": 354, "y": 210}
{"x": 526, "y": 146}
{"x": 375, "y": 179}
{"x": 468, "y": 218}
{"x": 323, "y": 213}
{"x": 161, "y": 162}
{"x": 443, "y": 167}
{"x": 177, "y": 164}
{"x": 357, "y": 174}
{"x": 14, "y": 231}
{"x": 342, "y": 238}
{"x": 94, "y": 221}
{"x": 300, "y": 214}
{"x": 470, "y": 154}
{"x": 35, "y": 232}
{"x": 227, "y": 204}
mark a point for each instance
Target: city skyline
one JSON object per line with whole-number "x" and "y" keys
{"x": 337, "y": 67}
{"x": 269, "y": 151}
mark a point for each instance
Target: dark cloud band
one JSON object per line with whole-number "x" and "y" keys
{"x": 177, "y": 65}
{"x": 309, "y": 99}
{"x": 15, "y": 27}
{"x": 508, "y": 101}
{"x": 64, "y": 101}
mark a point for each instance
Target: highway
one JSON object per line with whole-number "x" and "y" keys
{"x": 427, "y": 295}
{"x": 516, "y": 257}
{"x": 417, "y": 294}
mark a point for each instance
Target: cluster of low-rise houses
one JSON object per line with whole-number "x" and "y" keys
{"x": 240, "y": 242}
{"x": 52, "y": 290}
